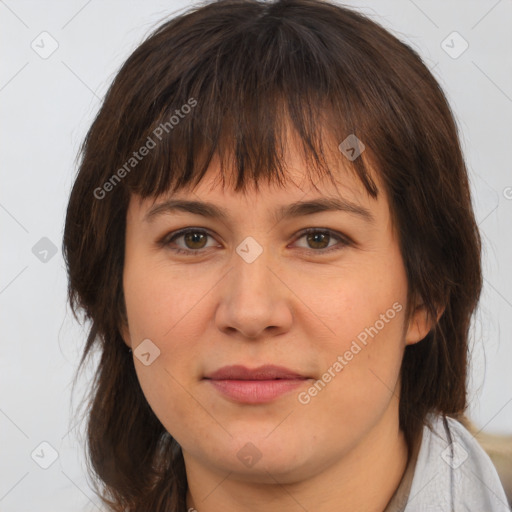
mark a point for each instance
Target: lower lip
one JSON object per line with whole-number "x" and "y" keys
{"x": 255, "y": 391}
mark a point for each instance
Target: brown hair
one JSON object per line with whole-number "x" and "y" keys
{"x": 245, "y": 68}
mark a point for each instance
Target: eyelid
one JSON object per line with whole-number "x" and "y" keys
{"x": 169, "y": 237}
{"x": 343, "y": 240}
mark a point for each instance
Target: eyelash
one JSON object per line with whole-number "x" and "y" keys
{"x": 167, "y": 239}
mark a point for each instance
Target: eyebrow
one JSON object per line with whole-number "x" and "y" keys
{"x": 293, "y": 210}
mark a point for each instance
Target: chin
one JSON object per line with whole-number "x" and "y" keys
{"x": 263, "y": 460}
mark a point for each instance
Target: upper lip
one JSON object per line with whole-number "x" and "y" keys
{"x": 266, "y": 372}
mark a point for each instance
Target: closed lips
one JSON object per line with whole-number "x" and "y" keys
{"x": 267, "y": 372}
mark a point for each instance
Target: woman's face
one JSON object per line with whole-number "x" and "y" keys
{"x": 251, "y": 290}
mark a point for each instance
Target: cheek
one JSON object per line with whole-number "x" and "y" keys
{"x": 365, "y": 304}
{"x": 166, "y": 309}
{"x": 170, "y": 310}
{"x": 159, "y": 301}
{"x": 361, "y": 373}
{"x": 366, "y": 315}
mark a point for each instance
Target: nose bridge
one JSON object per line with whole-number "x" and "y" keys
{"x": 252, "y": 280}
{"x": 253, "y": 299}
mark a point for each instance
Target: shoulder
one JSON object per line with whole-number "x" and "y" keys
{"x": 453, "y": 472}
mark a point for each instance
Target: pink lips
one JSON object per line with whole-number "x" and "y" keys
{"x": 255, "y": 386}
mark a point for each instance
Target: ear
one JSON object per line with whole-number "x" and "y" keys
{"x": 420, "y": 324}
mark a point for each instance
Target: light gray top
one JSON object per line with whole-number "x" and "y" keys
{"x": 449, "y": 473}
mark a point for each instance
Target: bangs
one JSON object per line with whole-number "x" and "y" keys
{"x": 240, "y": 94}
{"x": 250, "y": 144}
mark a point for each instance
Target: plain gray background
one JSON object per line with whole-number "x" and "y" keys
{"x": 47, "y": 103}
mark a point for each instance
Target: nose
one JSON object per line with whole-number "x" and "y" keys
{"x": 254, "y": 299}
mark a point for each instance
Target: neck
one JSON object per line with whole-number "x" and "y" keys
{"x": 364, "y": 479}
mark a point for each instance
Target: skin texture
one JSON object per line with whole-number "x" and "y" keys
{"x": 293, "y": 306}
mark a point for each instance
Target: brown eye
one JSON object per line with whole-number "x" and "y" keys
{"x": 194, "y": 241}
{"x": 318, "y": 240}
